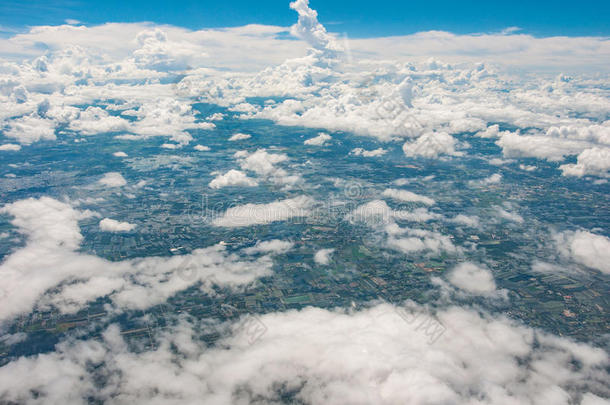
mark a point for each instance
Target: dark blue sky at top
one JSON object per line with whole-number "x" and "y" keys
{"x": 356, "y": 18}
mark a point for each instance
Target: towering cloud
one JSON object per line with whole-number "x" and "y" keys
{"x": 310, "y": 30}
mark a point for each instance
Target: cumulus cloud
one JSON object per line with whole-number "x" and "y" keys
{"x": 239, "y": 137}
{"x": 95, "y": 120}
{"x": 431, "y": 145}
{"x": 37, "y": 273}
{"x": 309, "y": 29}
{"x": 591, "y": 141}
{"x": 232, "y": 178}
{"x": 113, "y": 179}
{"x": 30, "y": 129}
{"x": 10, "y": 147}
{"x": 467, "y": 220}
{"x": 322, "y": 256}
{"x": 111, "y": 225}
{"x": 119, "y": 154}
{"x": 276, "y": 246}
{"x": 593, "y": 162}
{"x": 379, "y": 213}
{"x": 368, "y": 153}
{"x": 264, "y": 164}
{"x": 407, "y": 196}
{"x": 319, "y": 140}
{"x": 472, "y": 278}
{"x": 383, "y": 355}
{"x": 419, "y": 240}
{"x": 259, "y": 214}
{"x": 589, "y": 249}
{"x": 493, "y": 179}
{"x": 507, "y": 215}
{"x": 201, "y": 148}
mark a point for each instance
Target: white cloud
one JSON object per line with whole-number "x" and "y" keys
{"x": 322, "y": 256}
{"x": 232, "y": 178}
{"x": 37, "y": 273}
{"x": 368, "y": 153}
{"x": 591, "y": 141}
{"x": 113, "y": 179}
{"x": 493, "y": 179}
{"x": 468, "y": 220}
{"x": 491, "y": 131}
{"x": 373, "y": 213}
{"x": 417, "y": 215}
{"x": 382, "y": 355}
{"x": 259, "y": 214}
{"x": 119, "y": 154}
{"x": 239, "y": 137}
{"x": 30, "y": 129}
{"x": 319, "y": 140}
{"x": 111, "y": 225}
{"x": 509, "y": 216}
{"x": 378, "y": 213}
{"x": 419, "y": 240}
{"x": 95, "y": 120}
{"x": 10, "y": 147}
{"x": 586, "y": 248}
{"x": 594, "y": 161}
{"x": 201, "y": 148}
{"x": 407, "y": 196}
{"x": 430, "y": 145}
{"x": 472, "y": 278}
{"x": 264, "y": 164}
{"x": 275, "y": 246}
{"x": 309, "y": 29}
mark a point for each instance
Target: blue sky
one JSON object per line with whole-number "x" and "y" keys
{"x": 356, "y": 18}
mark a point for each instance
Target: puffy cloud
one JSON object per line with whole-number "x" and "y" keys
{"x": 368, "y": 153}
{"x": 419, "y": 240}
{"x": 113, "y": 179}
{"x": 166, "y": 116}
{"x": 10, "y": 147}
{"x": 430, "y": 145}
{"x": 468, "y": 220}
{"x": 562, "y": 141}
{"x": 472, "y": 278}
{"x": 37, "y": 273}
{"x": 378, "y": 213}
{"x": 594, "y": 161}
{"x": 111, "y": 225}
{"x": 232, "y": 178}
{"x": 382, "y": 355}
{"x": 264, "y": 164}
{"x": 507, "y": 215}
{"x": 95, "y": 120}
{"x": 258, "y": 214}
{"x": 322, "y": 256}
{"x": 239, "y": 137}
{"x": 491, "y": 131}
{"x": 157, "y": 52}
{"x": 586, "y": 248}
{"x": 309, "y": 29}
{"x": 373, "y": 213}
{"x": 319, "y": 140}
{"x": 270, "y": 246}
{"x": 201, "y": 148}
{"x": 407, "y": 196}
{"x": 493, "y": 179}
{"x": 119, "y": 154}
{"x": 30, "y": 129}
